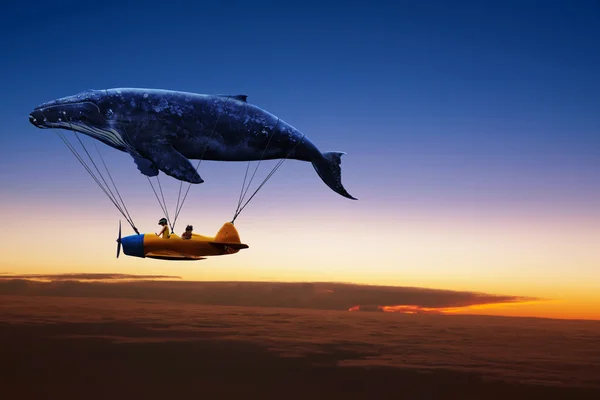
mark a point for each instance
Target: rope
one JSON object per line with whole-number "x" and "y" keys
{"x": 104, "y": 180}
{"x": 113, "y": 182}
{"x": 111, "y": 196}
{"x": 239, "y": 210}
{"x": 258, "y": 165}
{"x": 178, "y": 198}
{"x": 90, "y": 157}
{"x": 165, "y": 203}
{"x": 157, "y": 198}
{"x": 90, "y": 172}
{"x": 242, "y": 189}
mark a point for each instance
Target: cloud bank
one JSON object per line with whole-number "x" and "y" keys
{"x": 85, "y": 277}
{"x": 175, "y": 350}
{"x": 317, "y": 295}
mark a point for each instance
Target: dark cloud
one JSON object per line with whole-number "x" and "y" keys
{"x": 85, "y": 277}
{"x": 176, "y": 350}
{"x": 330, "y": 296}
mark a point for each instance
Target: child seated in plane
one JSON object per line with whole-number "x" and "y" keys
{"x": 188, "y": 232}
{"x": 164, "y": 232}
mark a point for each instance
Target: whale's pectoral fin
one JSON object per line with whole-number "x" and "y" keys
{"x": 172, "y": 163}
{"x": 145, "y": 166}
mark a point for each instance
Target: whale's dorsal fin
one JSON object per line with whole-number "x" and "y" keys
{"x": 240, "y": 97}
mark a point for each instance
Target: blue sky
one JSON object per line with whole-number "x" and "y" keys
{"x": 481, "y": 97}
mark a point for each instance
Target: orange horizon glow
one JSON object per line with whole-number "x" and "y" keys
{"x": 530, "y": 309}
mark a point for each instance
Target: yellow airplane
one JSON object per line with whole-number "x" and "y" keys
{"x": 149, "y": 245}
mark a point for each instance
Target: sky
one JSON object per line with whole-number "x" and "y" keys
{"x": 471, "y": 130}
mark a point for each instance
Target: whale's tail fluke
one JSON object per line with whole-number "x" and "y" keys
{"x": 329, "y": 169}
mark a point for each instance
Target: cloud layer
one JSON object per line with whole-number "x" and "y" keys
{"x": 323, "y": 296}
{"x": 175, "y": 350}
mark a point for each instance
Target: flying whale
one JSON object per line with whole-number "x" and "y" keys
{"x": 164, "y": 129}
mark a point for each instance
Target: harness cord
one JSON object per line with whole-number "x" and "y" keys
{"x": 238, "y": 212}
{"x": 243, "y": 184}
{"x": 104, "y": 180}
{"x": 279, "y": 163}
{"x": 88, "y": 169}
{"x": 93, "y": 163}
{"x": 113, "y": 182}
{"x": 165, "y": 203}
{"x": 178, "y": 198}
{"x": 256, "y": 169}
{"x": 198, "y": 165}
{"x": 127, "y": 143}
{"x": 157, "y": 198}
{"x": 111, "y": 196}
{"x": 90, "y": 172}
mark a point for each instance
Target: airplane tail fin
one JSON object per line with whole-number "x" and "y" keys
{"x": 228, "y": 234}
{"x": 330, "y": 171}
{"x": 229, "y": 238}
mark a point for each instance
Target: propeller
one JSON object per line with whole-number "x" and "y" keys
{"x": 119, "y": 241}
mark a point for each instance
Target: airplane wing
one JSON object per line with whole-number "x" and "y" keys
{"x": 173, "y": 256}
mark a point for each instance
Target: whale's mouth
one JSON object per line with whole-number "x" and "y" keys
{"x": 78, "y": 116}
{"x": 52, "y": 116}
{"x": 55, "y": 112}
{"x": 36, "y": 118}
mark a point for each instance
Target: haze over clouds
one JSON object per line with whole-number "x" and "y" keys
{"x": 313, "y": 295}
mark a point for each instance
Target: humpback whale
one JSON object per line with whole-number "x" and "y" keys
{"x": 163, "y": 130}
